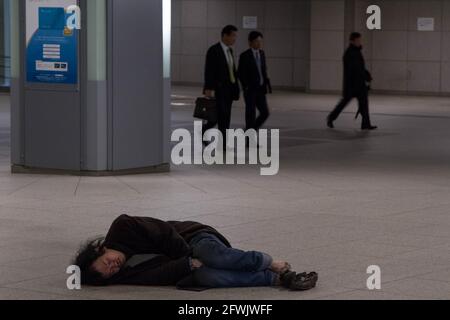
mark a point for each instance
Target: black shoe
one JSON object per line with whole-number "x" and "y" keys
{"x": 299, "y": 282}
{"x": 287, "y": 278}
{"x": 330, "y": 123}
{"x": 369, "y": 128}
{"x": 305, "y": 281}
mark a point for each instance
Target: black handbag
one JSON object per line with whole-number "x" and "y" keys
{"x": 206, "y": 109}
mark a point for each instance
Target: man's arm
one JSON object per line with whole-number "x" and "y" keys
{"x": 266, "y": 73}
{"x": 210, "y": 71}
{"x": 166, "y": 274}
{"x": 128, "y": 233}
{"x": 351, "y": 68}
{"x": 368, "y": 76}
{"x": 174, "y": 245}
{"x": 243, "y": 71}
{"x": 266, "y": 68}
{"x": 165, "y": 236}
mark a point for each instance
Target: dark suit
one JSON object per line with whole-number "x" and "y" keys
{"x": 218, "y": 79}
{"x": 254, "y": 83}
{"x": 356, "y": 77}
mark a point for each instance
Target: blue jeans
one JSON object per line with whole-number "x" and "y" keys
{"x": 225, "y": 267}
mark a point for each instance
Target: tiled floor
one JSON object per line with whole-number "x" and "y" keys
{"x": 343, "y": 200}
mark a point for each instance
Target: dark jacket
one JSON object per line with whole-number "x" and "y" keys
{"x": 217, "y": 74}
{"x": 356, "y": 75}
{"x": 145, "y": 235}
{"x": 248, "y": 71}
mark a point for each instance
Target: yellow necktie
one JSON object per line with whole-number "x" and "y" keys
{"x": 231, "y": 67}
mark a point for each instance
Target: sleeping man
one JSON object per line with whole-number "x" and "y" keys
{"x": 189, "y": 255}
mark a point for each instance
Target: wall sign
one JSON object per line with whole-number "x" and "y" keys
{"x": 51, "y": 47}
{"x": 425, "y": 24}
{"x": 250, "y": 22}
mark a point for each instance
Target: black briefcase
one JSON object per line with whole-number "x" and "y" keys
{"x": 206, "y": 109}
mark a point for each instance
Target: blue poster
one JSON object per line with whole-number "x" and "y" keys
{"x": 52, "y": 50}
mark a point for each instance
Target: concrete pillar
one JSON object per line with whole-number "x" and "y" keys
{"x": 115, "y": 118}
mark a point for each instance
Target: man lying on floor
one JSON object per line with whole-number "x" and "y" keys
{"x": 147, "y": 251}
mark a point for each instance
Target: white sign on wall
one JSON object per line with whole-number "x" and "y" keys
{"x": 425, "y": 24}
{"x": 250, "y": 22}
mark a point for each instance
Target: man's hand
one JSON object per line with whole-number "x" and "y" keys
{"x": 196, "y": 264}
{"x": 280, "y": 267}
{"x": 209, "y": 93}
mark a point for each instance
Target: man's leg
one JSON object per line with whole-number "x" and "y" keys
{"x": 363, "y": 101}
{"x": 214, "y": 254}
{"x": 250, "y": 109}
{"x": 209, "y": 125}
{"x": 216, "y": 278}
{"x": 263, "y": 109}
{"x": 224, "y": 108}
{"x": 340, "y": 107}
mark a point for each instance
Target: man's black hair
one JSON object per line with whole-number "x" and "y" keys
{"x": 229, "y": 30}
{"x": 85, "y": 257}
{"x": 354, "y": 36}
{"x": 254, "y": 35}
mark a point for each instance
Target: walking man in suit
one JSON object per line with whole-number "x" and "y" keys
{"x": 253, "y": 76}
{"x": 356, "y": 79}
{"x": 221, "y": 79}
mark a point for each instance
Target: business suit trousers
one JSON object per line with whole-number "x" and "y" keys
{"x": 363, "y": 104}
{"x": 255, "y": 99}
{"x": 224, "y": 103}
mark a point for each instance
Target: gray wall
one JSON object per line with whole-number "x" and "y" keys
{"x": 403, "y": 59}
{"x": 285, "y": 24}
{"x": 327, "y": 44}
{"x": 305, "y": 40}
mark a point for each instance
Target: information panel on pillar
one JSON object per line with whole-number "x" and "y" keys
{"x": 51, "y": 47}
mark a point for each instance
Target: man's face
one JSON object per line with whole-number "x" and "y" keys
{"x": 109, "y": 263}
{"x": 357, "y": 42}
{"x": 257, "y": 44}
{"x": 230, "y": 39}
